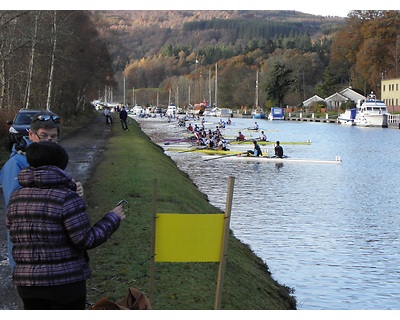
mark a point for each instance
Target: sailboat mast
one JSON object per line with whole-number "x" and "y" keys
{"x": 209, "y": 87}
{"x": 216, "y": 86}
{"x": 257, "y": 89}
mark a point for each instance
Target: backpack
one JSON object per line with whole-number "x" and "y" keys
{"x": 134, "y": 300}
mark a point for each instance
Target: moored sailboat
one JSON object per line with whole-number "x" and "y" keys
{"x": 257, "y": 112}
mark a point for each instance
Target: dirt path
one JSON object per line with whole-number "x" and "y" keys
{"x": 85, "y": 148}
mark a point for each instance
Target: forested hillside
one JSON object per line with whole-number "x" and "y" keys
{"x": 175, "y": 53}
{"x": 62, "y": 59}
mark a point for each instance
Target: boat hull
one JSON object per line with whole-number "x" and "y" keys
{"x": 277, "y": 114}
{"x": 270, "y": 142}
{"x": 275, "y": 118}
{"x": 258, "y": 116}
{"x": 347, "y": 117}
{"x": 271, "y": 159}
{"x": 346, "y": 122}
{"x": 371, "y": 120}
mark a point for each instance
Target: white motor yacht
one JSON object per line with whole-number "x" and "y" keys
{"x": 371, "y": 113}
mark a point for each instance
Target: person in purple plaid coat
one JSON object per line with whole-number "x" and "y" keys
{"x": 51, "y": 232}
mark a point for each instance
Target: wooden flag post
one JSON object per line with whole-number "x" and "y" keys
{"x": 153, "y": 243}
{"x": 222, "y": 262}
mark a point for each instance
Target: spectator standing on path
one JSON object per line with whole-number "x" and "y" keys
{"x": 45, "y": 126}
{"x": 107, "y": 114}
{"x": 123, "y": 115}
{"x": 51, "y": 232}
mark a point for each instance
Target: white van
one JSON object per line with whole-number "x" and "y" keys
{"x": 137, "y": 110}
{"x": 171, "y": 111}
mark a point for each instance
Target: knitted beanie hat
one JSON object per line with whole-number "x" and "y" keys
{"x": 46, "y": 153}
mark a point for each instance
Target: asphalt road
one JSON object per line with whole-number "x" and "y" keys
{"x": 84, "y": 148}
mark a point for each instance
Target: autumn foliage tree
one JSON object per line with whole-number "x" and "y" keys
{"x": 366, "y": 48}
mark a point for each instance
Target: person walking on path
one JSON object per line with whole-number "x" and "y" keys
{"x": 107, "y": 114}
{"x": 123, "y": 115}
{"x": 51, "y": 232}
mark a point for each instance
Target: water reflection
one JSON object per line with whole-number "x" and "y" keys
{"x": 329, "y": 231}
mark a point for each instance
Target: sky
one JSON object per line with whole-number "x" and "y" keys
{"x": 338, "y": 8}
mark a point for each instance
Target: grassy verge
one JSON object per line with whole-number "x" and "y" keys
{"x": 130, "y": 164}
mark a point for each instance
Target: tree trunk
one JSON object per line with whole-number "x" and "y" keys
{"x": 31, "y": 62}
{"x": 53, "y": 56}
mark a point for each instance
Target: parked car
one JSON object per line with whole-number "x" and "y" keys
{"x": 19, "y": 127}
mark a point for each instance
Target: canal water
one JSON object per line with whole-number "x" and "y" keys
{"x": 329, "y": 231}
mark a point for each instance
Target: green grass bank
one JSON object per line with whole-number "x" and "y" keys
{"x": 130, "y": 163}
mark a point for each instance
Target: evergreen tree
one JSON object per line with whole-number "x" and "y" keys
{"x": 328, "y": 86}
{"x": 279, "y": 83}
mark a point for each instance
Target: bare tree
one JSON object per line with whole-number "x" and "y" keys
{"x": 32, "y": 60}
{"x": 10, "y": 44}
{"x": 53, "y": 58}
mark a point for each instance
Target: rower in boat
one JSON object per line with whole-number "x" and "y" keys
{"x": 210, "y": 142}
{"x": 199, "y": 138}
{"x": 240, "y": 137}
{"x": 263, "y": 136}
{"x": 255, "y": 127}
{"x": 221, "y": 144}
{"x": 278, "y": 150}
{"x": 256, "y": 152}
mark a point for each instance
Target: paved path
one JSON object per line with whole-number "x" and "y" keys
{"x": 85, "y": 148}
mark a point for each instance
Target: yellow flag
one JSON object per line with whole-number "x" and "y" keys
{"x": 188, "y": 237}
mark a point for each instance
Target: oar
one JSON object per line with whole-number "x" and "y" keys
{"x": 229, "y": 155}
{"x": 244, "y": 141}
{"x": 192, "y": 149}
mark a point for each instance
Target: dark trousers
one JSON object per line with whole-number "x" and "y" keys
{"x": 124, "y": 124}
{"x": 65, "y": 297}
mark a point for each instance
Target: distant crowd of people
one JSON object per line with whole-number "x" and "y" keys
{"x": 122, "y": 113}
{"x": 211, "y": 139}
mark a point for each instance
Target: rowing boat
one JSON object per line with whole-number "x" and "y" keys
{"x": 245, "y": 158}
{"x": 270, "y": 142}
